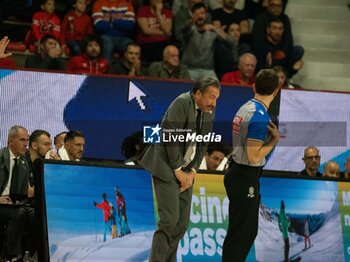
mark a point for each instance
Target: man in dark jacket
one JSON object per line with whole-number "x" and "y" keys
{"x": 14, "y": 183}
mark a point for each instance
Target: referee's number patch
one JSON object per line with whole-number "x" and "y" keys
{"x": 236, "y": 124}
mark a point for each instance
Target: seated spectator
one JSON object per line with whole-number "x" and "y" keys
{"x": 227, "y": 53}
{"x": 294, "y": 53}
{"x": 5, "y": 60}
{"x": 228, "y": 14}
{"x": 40, "y": 146}
{"x": 200, "y": 37}
{"x": 312, "y": 161}
{"x": 170, "y": 67}
{"x": 114, "y": 20}
{"x": 131, "y": 63}
{"x": 331, "y": 169}
{"x": 14, "y": 184}
{"x": 282, "y": 75}
{"x": 177, "y": 5}
{"x": 254, "y": 8}
{"x": 44, "y": 22}
{"x": 48, "y": 56}
{"x": 132, "y": 148}
{"x": 215, "y": 158}
{"x": 90, "y": 61}
{"x": 154, "y": 30}
{"x": 73, "y": 148}
{"x": 181, "y": 18}
{"x": 271, "y": 50}
{"x": 346, "y": 173}
{"x": 76, "y": 26}
{"x": 59, "y": 140}
{"x": 245, "y": 75}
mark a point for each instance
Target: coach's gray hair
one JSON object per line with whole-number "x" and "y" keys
{"x": 204, "y": 83}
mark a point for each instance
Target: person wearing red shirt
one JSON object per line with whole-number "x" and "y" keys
{"x": 76, "y": 26}
{"x": 44, "y": 22}
{"x": 104, "y": 205}
{"x": 90, "y": 61}
{"x": 245, "y": 75}
{"x": 154, "y": 32}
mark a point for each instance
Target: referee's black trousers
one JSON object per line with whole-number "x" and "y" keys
{"x": 242, "y": 188}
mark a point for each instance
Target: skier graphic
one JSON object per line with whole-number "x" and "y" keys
{"x": 121, "y": 205}
{"x": 307, "y": 232}
{"x": 283, "y": 224}
{"x": 113, "y": 221}
{"x": 104, "y": 205}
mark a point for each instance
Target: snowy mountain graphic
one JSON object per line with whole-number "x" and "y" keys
{"x": 132, "y": 247}
{"x": 326, "y": 236}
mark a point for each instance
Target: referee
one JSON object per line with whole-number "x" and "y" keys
{"x": 253, "y": 137}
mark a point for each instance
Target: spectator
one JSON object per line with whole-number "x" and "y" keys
{"x": 155, "y": 28}
{"x": 90, "y": 61}
{"x": 180, "y": 20}
{"x": 294, "y": 53}
{"x": 44, "y": 22}
{"x": 227, "y": 15}
{"x": 132, "y": 148}
{"x": 48, "y": 57}
{"x": 253, "y": 8}
{"x": 346, "y": 173}
{"x": 59, "y": 140}
{"x": 312, "y": 160}
{"x": 76, "y": 26}
{"x": 170, "y": 67}
{"x": 198, "y": 53}
{"x": 177, "y": 5}
{"x": 331, "y": 169}
{"x": 14, "y": 183}
{"x": 40, "y": 146}
{"x": 282, "y": 75}
{"x": 227, "y": 53}
{"x": 73, "y": 149}
{"x": 245, "y": 75}
{"x": 130, "y": 64}
{"x": 215, "y": 158}
{"x": 5, "y": 60}
{"x": 270, "y": 51}
{"x": 114, "y": 20}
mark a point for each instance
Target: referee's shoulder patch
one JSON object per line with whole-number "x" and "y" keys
{"x": 236, "y": 124}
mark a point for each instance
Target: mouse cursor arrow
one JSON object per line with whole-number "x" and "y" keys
{"x": 135, "y": 92}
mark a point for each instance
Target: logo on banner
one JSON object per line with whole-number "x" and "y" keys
{"x": 157, "y": 134}
{"x": 151, "y": 134}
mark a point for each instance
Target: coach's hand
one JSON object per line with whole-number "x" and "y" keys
{"x": 190, "y": 180}
{"x": 182, "y": 177}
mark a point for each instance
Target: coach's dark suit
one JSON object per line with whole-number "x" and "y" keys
{"x": 14, "y": 216}
{"x": 161, "y": 160}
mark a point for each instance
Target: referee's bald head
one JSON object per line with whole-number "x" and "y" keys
{"x": 266, "y": 82}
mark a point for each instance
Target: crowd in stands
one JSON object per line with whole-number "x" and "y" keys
{"x": 183, "y": 39}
